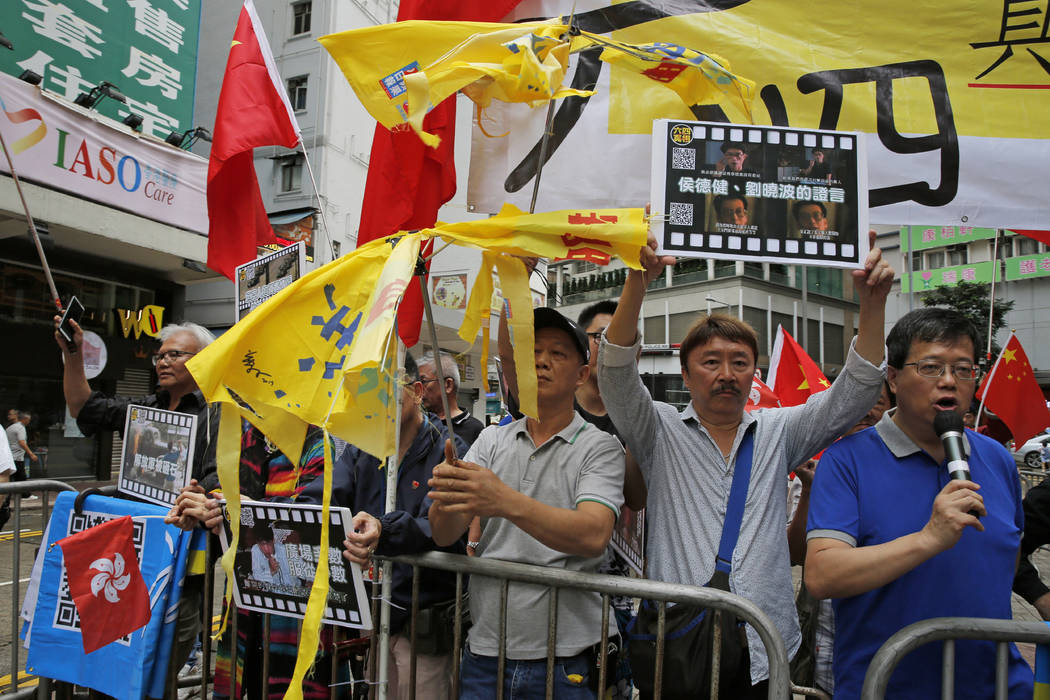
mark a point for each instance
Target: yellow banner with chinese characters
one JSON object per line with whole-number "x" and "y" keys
{"x": 951, "y": 97}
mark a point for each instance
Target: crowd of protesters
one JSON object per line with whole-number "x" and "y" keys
{"x": 884, "y": 534}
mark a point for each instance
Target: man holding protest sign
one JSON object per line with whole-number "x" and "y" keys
{"x": 688, "y": 458}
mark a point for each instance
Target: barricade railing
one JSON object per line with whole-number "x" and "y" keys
{"x": 16, "y": 490}
{"x": 949, "y": 629}
{"x": 607, "y": 586}
{"x": 1030, "y": 477}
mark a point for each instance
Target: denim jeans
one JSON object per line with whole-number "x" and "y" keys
{"x": 525, "y": 680}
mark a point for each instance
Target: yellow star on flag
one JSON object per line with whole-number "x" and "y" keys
{"x": 824, "y": 383}
{"x": 234, "y": 43}
{"x": 1009, "y": 355}
{"x": 805, "y": 379}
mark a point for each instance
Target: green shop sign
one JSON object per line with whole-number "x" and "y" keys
{"x": 147, "y": 49}
{"x": 926, "y": 237}
{"x": 946, "y": 276}
{"x": 1028, "y": 266}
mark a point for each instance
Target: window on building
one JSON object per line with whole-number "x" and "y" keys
{"x": 1023, "y": 245}
{"x": 956, "y": 254}
{"x": 292, "y": 175}
{"x": 297, "y": 92}
{"x": 301, "y": 18}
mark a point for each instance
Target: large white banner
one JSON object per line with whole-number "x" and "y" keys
{"x": 58, "y": 146}
{"x": 951, "y": 98}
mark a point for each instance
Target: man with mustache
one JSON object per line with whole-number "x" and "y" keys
{"x": 548, "y": 491}
{"x": 688, "y": 458}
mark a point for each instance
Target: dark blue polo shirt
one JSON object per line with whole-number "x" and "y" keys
{"x": 876, "y": 486}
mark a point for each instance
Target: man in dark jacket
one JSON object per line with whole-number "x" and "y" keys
{"x": 359, "y": 483}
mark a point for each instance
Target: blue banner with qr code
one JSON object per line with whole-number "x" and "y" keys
{"x": 53, "y": 634}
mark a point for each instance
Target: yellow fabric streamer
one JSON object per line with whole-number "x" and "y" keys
{"x": 227, "y": 463}
{"x": 400, "y": 70}
{"x": 514, "y": 282}
{"x": 696, "y": 77}
{"x": 310, "y": 636}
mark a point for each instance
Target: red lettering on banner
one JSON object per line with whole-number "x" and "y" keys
{"x": 598, "y": 257}
{"x": 83, "y": 159}
{"x": 570, "y": 240}
{"x": 665, "y": 72}
{"x": 106, "y": 165}
{"x": 592, "y": 218}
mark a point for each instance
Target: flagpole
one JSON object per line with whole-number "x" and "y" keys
{"x": 988, "y": 384}
{"x": 438, "y": 370}
{"x": 32, "y": 227}
{"x": 991, "y": 297}
{"x": 317, "y": 196}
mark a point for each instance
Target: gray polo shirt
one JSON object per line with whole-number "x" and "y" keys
{"x": 689, "y": 481}
{"x": 580, "y": 463}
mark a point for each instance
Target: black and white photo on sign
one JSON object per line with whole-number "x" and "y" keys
{"x": 628, "y": 538}
{"x": 157, "y": 454}
{"x": 277, "y": 554}
{"x": 760, "y": 194}
{"x": 262, "y": 278}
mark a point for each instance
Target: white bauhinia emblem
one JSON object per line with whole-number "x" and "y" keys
{"x": 112, "y": 578}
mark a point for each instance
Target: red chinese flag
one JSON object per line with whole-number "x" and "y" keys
{"x": 1011, "y": 392}
{"x": 761, "y": 396}
{"x": 407, "y": 181}
{"x": 105, "y": 582}
{"x": 1041, "y": 236}
{"x": 253, "y": 111}
{"x": 793, "y": 375}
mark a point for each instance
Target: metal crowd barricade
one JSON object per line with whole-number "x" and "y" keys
{"x": 950, "y": 629}
{"x": 16, "y": 490}
{"x": 1030, "y": 478}
{"x": 720, "y": 601}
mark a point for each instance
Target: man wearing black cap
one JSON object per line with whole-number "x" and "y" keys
{"x": 548, "y": 491}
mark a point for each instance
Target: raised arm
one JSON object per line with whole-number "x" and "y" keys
{"x": 74, "y": 383}
{"x": 873, "y": 284}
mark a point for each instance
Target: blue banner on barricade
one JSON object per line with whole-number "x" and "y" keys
{"x": 53, "y": 634}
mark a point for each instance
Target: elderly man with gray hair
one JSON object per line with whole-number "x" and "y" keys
{"x": 176, "y": 391}
{"x": 466, "y": 426}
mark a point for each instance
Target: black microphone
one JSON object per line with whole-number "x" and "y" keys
{"x": 949, "y": 428}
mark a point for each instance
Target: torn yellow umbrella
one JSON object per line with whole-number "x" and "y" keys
{"x": 591, "y": 235}
{"x": 288, "y": 358}
{"x": 698, "y": 78}
{"x": 320, "y": 352}
{"x": 400, "y": 70}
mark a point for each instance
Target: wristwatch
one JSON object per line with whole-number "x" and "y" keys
{"x": 473, "y": 545}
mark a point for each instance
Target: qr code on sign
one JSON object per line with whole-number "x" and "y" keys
{"x": 683, "y": 158}
{"x": 680, "y": 214}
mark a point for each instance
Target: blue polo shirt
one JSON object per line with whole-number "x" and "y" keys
{"x": 877, "y": 485}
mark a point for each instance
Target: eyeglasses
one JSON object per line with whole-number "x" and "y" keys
{"x": 424, "y": 382}
{"x": 170, "y": 356}
{"x": 596, "y": 336}
{"x": 932, "y": 370}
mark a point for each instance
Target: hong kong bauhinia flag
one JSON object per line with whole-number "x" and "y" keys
{"x": 761, "y": 396}
{"x": 793, "y": 375}
{"x": 1011, "y": 392}
{"x": 253, "y": 111}
{"x": 105, "y": 582}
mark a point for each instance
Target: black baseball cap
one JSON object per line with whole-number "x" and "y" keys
{"x": 546, "y": 317}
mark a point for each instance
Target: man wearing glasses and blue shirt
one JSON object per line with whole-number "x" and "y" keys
{"x": 892, "y": 540}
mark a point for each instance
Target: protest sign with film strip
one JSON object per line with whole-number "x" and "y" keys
{"x": 268, "y": 274}
{"x": 764, "y": 194}
{"x": 157, "y": 456}
{"x": 277, "y": 555}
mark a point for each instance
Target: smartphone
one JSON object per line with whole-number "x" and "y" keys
{"x": 74, "y": 310}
